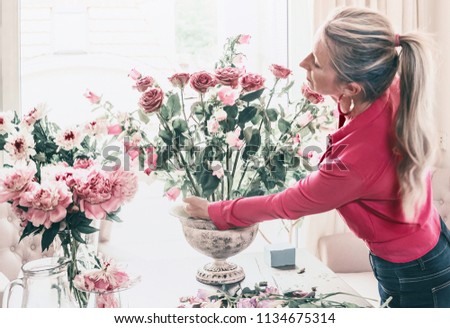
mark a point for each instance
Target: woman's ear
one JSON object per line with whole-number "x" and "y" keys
{"x": 352, "y": 90}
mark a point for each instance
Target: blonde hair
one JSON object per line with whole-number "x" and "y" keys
{"x": 362, "y": 48}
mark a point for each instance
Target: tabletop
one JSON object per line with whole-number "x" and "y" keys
{"x": 163, "y": 282}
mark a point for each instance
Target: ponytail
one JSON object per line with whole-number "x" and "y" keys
{"x": 415, "y": 133}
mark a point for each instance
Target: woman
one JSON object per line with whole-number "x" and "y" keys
{"x": 376, "y": 170}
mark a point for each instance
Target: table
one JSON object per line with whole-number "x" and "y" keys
{"x": 165, "y": 281}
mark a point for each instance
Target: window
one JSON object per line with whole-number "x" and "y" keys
{"x": 69, "y": 46}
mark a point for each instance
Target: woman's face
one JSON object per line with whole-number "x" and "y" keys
{"x": 321, "y": 76}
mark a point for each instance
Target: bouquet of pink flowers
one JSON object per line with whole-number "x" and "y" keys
{"x": 57, "y": 184}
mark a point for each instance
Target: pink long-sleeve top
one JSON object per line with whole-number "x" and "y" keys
{"x": 357, "y": 176}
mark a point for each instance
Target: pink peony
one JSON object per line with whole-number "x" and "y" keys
{"x": 228, "y": 76}
{"x": 173, "y": 193}
{"x": 202, "y": 81}
{"x": 83, "y": 163}
{"x": 15, "y": 180}
{"x": 151, "y": 100}
{"x": 252, "y": 82}
{"x": 280, "y": 72}
{"x": 95, "y": 128}
{"x": 179, "y": 80}
{"x": 144, "y": 83}
{"x": 312, "y": 96}
{"x": 124, "y": 184}
{"x": 47, "y": 203}
{"x": 93, "y": 191}
{"x": 228, "y": 95}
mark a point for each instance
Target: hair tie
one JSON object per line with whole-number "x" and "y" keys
{"x": 397, "y": 40}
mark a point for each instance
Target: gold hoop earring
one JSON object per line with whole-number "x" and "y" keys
{"x": 350, "y": 107}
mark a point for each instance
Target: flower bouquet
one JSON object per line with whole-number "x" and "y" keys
{"x": 57, "y": 184}
{"x": 224, "y": 134}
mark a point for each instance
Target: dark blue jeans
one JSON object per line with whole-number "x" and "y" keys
{"x": 422, "y": 283}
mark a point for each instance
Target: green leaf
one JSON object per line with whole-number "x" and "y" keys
{"x": 173, "y": 103}
{"x": 283, "y": 125}
{"x": 272, "y": 114}
{"x": 166, "y": 136}
{"x": 179, "y": 125}
{"x": 209, "y": 183}
{"x": 246, "y": 115}
{"x": 113, "y": 217}
{"x": 86, "y": 229}
{"x": 166, "y": 112}
{"x": 248, "y": 133}
{"x": 232, "y": 111}
{"x": 77, "y": 236}
{"x": 252, "y": 95}
{"x": 143, "y": 117}
{"x": 49, "y": 235}
{"x": 252, "y": 147}
{"x": 3, "y": 141}
{"x": 30, "y": 229}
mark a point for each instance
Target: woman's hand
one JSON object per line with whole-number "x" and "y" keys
{"x": 197, "y": 207}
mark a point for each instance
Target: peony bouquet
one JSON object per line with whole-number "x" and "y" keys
{"x": 57, "y": 183}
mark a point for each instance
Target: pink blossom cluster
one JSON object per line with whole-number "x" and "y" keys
{"x": 215, "y": 299}
{"x": 63, "y": 189}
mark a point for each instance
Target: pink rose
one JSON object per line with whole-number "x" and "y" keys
{"x": 47, "y": 204}
{"x": 244, "y": 39}
{"x": 312, "y": 96}
{"x": 217, "y": 169}
{"x": 202, "y": 81}
{"x": 114, "y": 129}
{"x": 92, "y": 97}
{"x": 144, "y": 83}
{"x": 252, "y": 82}
{"x": 280, "y": 72}
{"x": 179, "y": 80}
{"x": 151, "y": 100}
{"x": 228, "y": 76}
{"x": 173, "y": 193}
{"x": 228, "y": 95}
{"x": 134, "y": 74}
{"x": 220, "y": 115}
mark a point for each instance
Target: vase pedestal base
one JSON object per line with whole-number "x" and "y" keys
{"x": 220, "y": 272}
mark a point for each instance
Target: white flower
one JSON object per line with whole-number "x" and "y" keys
{"x": 69, "y": 138}
{"x": 5, "y": 123}
{"x": 36, "y": 113}
{"x": 20, "y": 145}
{"x": 220, "y": 115}
{"x": 96, "y": 128}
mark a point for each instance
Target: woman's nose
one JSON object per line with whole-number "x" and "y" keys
{"x": 305, "y": 63}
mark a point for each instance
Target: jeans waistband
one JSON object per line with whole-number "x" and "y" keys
{"x": 442, "y": 244}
